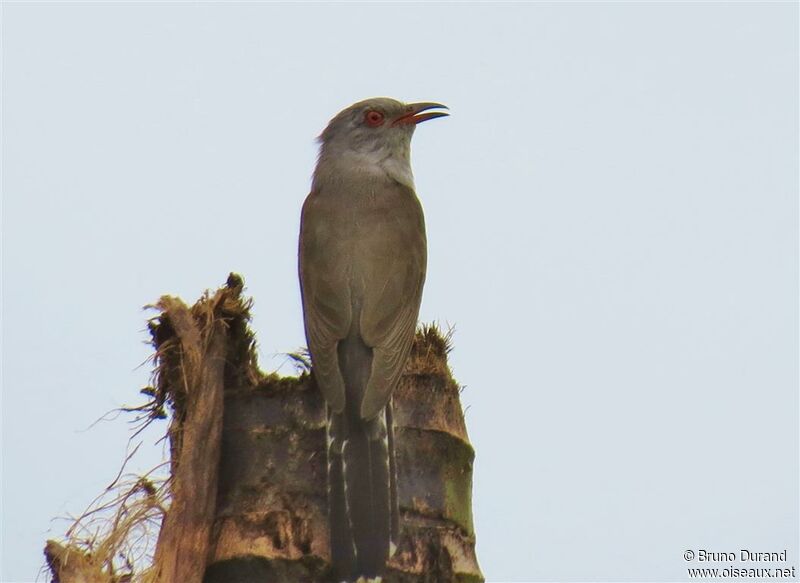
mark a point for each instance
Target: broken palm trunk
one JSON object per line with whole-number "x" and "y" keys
{"x": 248, "y": 497}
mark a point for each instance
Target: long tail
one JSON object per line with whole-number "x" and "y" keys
{"x": 362, "y": 490}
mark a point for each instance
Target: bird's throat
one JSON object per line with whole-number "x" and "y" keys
{"x": 366, "y": 165}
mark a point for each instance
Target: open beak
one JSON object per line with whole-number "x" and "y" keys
{"x": 413, "y": 114}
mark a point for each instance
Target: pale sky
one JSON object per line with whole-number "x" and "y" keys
{"x": 612, "y": 214}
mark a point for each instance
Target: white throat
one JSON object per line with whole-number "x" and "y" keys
{"x": 377, "y": 163}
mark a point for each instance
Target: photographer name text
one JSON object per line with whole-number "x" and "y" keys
{"x": 743, "y": 555}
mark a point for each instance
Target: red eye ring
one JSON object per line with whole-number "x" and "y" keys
{"x": 373, "y": 118}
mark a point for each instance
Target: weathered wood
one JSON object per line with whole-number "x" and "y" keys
{"x": 184, "y": 538}
{"x": 271, "y": 522}
{"x": 69, "y": 564}
{"x": 247, "y": 495}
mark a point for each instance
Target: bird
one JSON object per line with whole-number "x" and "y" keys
{"x": 362, "y": 265}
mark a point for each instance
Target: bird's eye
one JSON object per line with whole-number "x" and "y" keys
{"x": 373, "y": 118}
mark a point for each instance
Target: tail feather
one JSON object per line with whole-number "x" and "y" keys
{"x": 362, "y": 497}
{"x": 394, "y": 508}
{"x": 362, "y": 486}
{"x": 341, "y": 538}
{"x": 367, "y": 493}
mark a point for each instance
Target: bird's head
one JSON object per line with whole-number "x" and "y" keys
{"x": 376, "y": 122}
{"x": 379, "y": 127}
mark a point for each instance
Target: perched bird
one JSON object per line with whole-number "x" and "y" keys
{"x": 362, "y": 261}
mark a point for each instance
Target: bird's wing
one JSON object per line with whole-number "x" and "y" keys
{"x": 326, "y": 302}
{"x": 391, "y": 304}
{"x": 388, "y": 362}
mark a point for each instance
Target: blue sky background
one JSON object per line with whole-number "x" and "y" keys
{"x": 612, "y": 212}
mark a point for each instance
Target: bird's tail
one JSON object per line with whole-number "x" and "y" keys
{"x": 362, "y": 494}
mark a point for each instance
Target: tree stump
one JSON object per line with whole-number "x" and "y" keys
{"x": 248, "y": 499}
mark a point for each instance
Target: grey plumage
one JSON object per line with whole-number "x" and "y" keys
{"x": 362, "y": 263}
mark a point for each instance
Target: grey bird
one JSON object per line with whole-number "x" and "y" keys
{"x": 362, "y": 262}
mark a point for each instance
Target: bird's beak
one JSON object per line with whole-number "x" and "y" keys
{"x": 413, "y": 114}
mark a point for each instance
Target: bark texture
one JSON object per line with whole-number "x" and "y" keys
{"x": 248, "y": 497}
{"x": 72, "y": 565}
{"x": 271, "y": 522}
{"x": 200, "y": 353}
